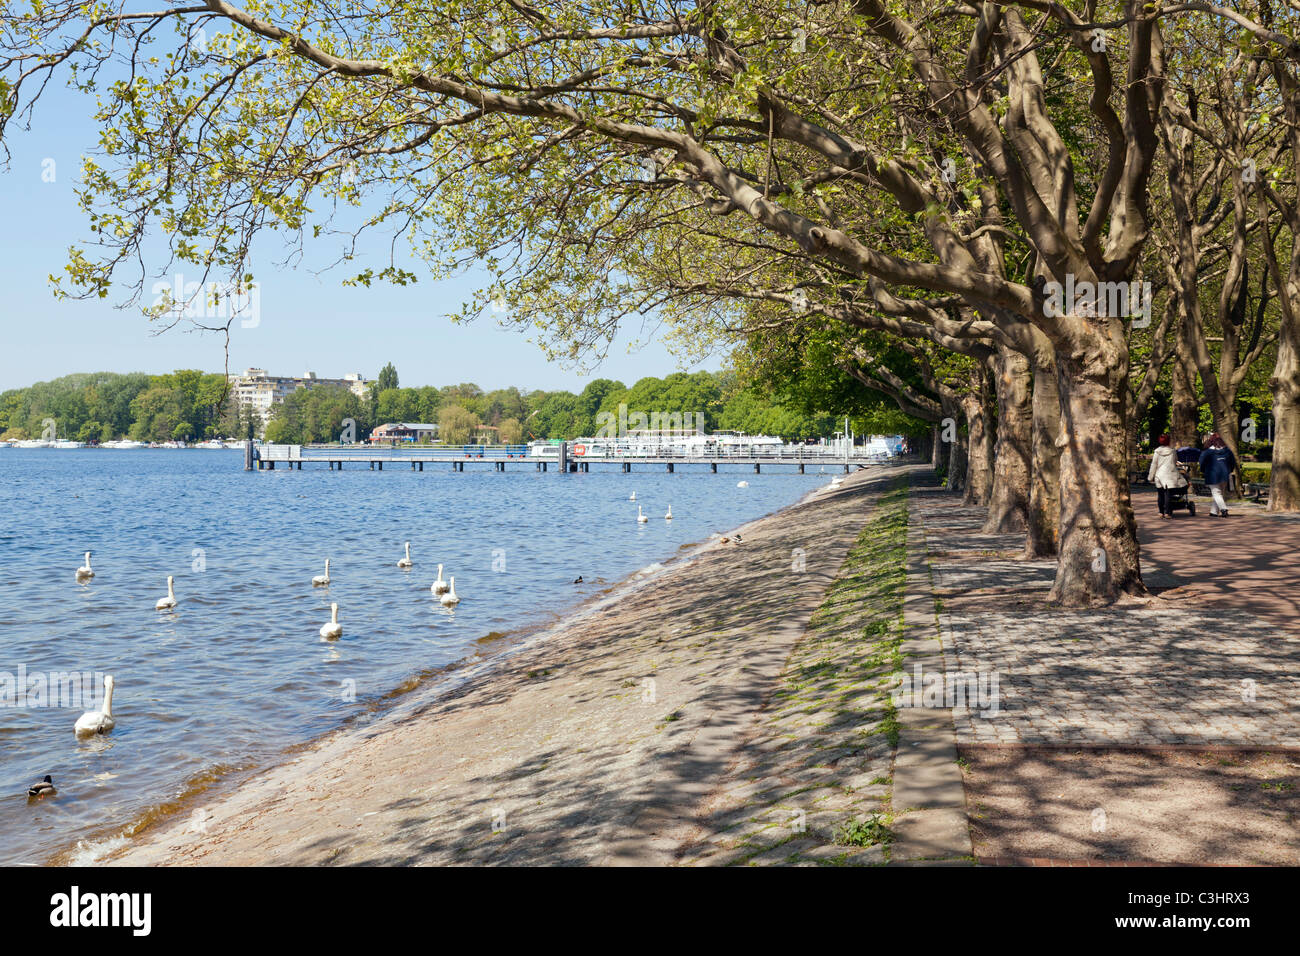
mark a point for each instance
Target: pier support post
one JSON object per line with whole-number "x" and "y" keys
{"x": 564, "y": 457}
{"x": 422, "y": 466}
{"x": 713, "y": 467}
{"x": 273, "y": 466}
{"x": 801, "y": 468}
{"x": 381, "y": 466}
{"x": 756, "y": 468}
{"x": 248, "y": 455}
{"x": 670, "y": 468}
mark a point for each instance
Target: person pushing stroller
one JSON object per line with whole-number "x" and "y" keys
{"x": 1170, "y": 482}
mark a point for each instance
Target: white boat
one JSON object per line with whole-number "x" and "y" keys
{"x": 32, "y": 443}
{"x": 65, "y": 443}
{"x": 212, "y": 443}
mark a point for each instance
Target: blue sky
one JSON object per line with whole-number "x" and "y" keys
{"x": 308, "y": 321}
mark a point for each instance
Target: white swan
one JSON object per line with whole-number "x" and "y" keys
{"x": 98, "y": 721}
{"x": 450, "y": 598}
{"x": 406, "y": 561}
{"x": 669, "y": 516}
{"x": 632, "y": 496}
{"x": 333, "y": 629}
{"x": 742, "y": 484}
{"x": 640, "y": 517}
{"x": 322, "y": 580}
{"x": 440, "y": 586}
{"x": 168, "y": 602}
{"x": 85, "y": 573}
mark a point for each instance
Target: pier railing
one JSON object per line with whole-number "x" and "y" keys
{"x": 576, "y": 451}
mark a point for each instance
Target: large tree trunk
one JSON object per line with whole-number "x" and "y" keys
{"x": 1045, "y": 478}
{"x": 1098, "y": 557}
{"x": 979, "y": 465}
{"x": 1284, "y": 492}
{"x": 956, "y": 442}
{"x": 1182, "y": 408}
{"x": 1009, "y": 498}
{"x": 934, "y": 446}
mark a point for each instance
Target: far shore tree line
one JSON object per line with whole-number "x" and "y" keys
{"x": 933, "y": 203}
{"x": 190, "y": 405}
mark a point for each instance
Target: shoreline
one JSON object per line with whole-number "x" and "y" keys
{"x": 560, "y": 735}
{"x": 424, "y": 688}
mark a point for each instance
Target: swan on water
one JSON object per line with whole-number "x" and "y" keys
{"x": 632, "y": 496}
{"x": 42, "y": 788}
{"x": 85, "y": 573}
{"x": 450, "y": 597}
{"x": 440, "y": 586}
{"x": 669, "y": 516}
{"x": 168, "y": 602}
{"x": 322, "y": 580}
{"x": 742, "y": 484}
{"x": 98, "y": 721}
{"x": 333, "y": 629}
{"x": 640, "y": 517}
{"x": 406, "y": 561}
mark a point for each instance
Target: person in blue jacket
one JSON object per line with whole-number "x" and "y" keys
{"x": 1217, "y": 466}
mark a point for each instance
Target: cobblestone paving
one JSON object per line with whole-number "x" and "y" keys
{"x": 1155, "y": 674}
{"x": 822, "y": 757}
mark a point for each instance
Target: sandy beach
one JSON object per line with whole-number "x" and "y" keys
{"x": 604, "y": 741}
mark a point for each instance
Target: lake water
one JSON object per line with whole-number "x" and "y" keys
{"x": 238, "y": 671}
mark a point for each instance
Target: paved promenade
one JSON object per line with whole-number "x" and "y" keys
{"x": 1212, "y": 661}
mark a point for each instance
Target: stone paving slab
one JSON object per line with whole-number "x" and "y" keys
{"x": 929, "y": 799}
{"x": 933, "y": 835}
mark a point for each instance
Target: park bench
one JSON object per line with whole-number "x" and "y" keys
{"x": 1256, "y": 491}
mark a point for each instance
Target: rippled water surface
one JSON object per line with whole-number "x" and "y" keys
{"x": 238, "y": 671}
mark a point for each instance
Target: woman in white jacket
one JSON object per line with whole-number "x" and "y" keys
{"x": 1166, "y": 474}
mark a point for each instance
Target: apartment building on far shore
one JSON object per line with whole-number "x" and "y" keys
{"x": 261, "y": 392}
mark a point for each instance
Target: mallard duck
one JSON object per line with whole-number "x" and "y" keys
{"x": 42, "y": 788}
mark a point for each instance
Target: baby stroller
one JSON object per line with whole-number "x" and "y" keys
{"x": 1177, "y": 499}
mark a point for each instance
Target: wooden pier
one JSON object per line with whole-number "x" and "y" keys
{"x": 335, "y": 457}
